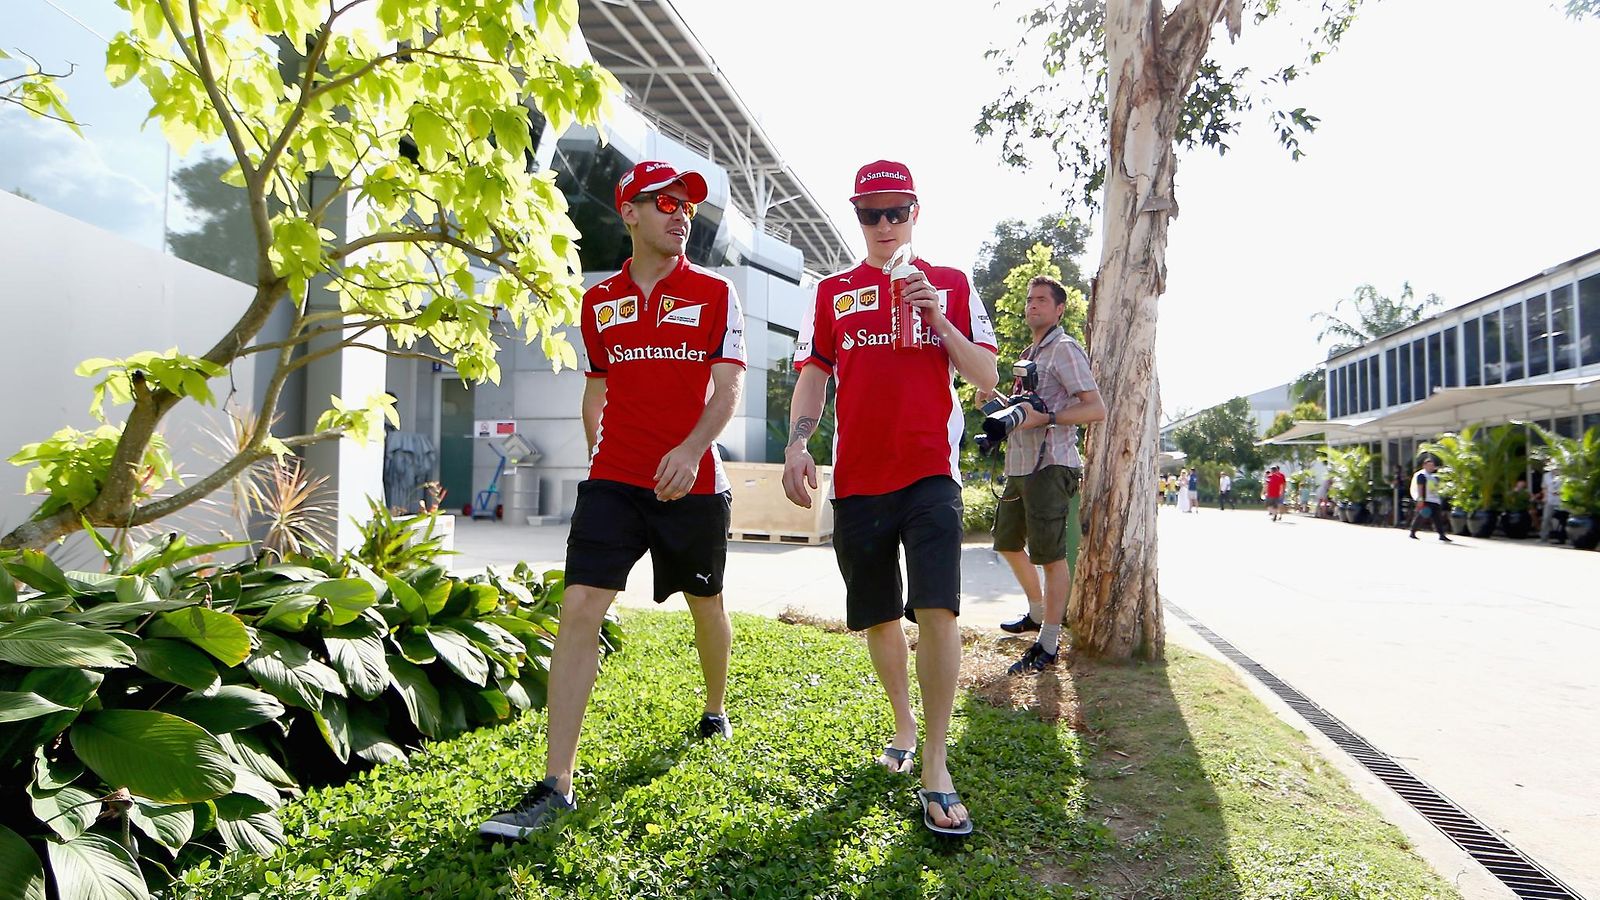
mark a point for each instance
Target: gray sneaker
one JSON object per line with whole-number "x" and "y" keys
{"x": 537, "y": 809}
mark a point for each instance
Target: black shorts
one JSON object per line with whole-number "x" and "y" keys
{"x": 615, "y": 523}
{"x": 867, "y": 533}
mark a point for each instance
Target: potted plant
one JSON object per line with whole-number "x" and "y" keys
{"x": 1578, "y": 461}
{"x": 1351, "y": 468}
{"x": 1460, "y": 456}
{"x": 1518, "y": 518}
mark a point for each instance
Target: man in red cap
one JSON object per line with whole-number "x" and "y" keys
{"x": 895, "y": 475}
{"x": 660, "y": 336}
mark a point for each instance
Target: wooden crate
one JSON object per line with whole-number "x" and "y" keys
{"x": 762, "y": 513}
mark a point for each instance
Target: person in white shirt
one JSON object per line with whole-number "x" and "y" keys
{"x": 1552, "y": 506}
{"x": 1225, "y": 492}
{"x": 1430, "y": 506}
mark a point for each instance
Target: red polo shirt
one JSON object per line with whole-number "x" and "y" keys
{"x": 655, "y": 354}
{"x": 898, "y": 420}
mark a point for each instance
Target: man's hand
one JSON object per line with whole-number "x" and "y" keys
{"x": 981, "y": 396}
{"x": 799, "y": 469}
{"x": 676, "y": 474}
{"x": 1032, "y": 418}
{"x": 921, "y": 294}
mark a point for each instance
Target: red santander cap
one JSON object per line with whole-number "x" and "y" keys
{"x": 653, "y": 175}
{"x": 883, "y": 177}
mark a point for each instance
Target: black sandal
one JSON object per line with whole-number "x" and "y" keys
{"x": 903, "y": 759}
{"x": 945, "y": 799}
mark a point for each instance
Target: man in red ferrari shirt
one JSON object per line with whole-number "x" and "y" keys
{"x": 895, "y": 477}
{"x": 1276, "y": 483}
{"x": 665, "y": 345}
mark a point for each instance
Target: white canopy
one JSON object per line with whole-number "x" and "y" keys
{"x": 1314, "y": 432}
{"x": 1451, "y": 408}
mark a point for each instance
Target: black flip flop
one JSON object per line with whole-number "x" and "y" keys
{"x": 901, "y": 759}
{"x": 945, "y": 799}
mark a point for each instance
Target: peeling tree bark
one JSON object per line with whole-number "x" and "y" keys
{"x": 1152, "y": 60}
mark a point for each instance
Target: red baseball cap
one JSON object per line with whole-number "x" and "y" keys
{"x": 652, "y": 175}
{"x": 883, "y": 177}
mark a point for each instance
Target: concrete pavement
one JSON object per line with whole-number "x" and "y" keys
{"x": 1472, "y": 664}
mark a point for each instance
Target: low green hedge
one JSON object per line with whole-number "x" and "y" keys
{"x": 160, "y": 712}
{"x": 978, "y": 503}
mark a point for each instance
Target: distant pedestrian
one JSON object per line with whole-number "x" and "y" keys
{"x": 1550, "y": 522}
{"x": 1194, "y": 490}
{"x": 1225, "y": 492}
{"x": 1180, "y": 488}
{"x": 1276, "y": 483}
{"x": 1429, "y": 505}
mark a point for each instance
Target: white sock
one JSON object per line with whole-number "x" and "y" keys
{"x": 1050, "y": 638}
{"x": 1036, "y": 610}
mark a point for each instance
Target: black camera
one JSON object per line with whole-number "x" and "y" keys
{"x": 1002, "y": 415}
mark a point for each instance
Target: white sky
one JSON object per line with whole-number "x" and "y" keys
{"x": 1458, "y": 149}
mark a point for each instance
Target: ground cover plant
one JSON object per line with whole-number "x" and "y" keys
{"x": 161, "y": 711}
{"x": 1101, "y": 781}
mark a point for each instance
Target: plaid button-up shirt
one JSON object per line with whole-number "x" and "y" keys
{"x": 1063, "y": 374}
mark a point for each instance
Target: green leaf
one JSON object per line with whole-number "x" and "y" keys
{"x": 119, "y": 613}
{"x": 333, "y": 720}
{"x": 24, "y": 872}
{"x": 48, "y": 643}
{"x": 95, "y": 868}
{"x": 249, "y": 784}
{"x": 8, "y": 589}
{"x": 290, "y": 613}
{"x": 17, "y": 611}
{"x": 359, "y": 659}
{"x": 246, "y": 828}
{"x": 218, "y": 633}
{"x": 169, "y": 826}
{"x": 54, "y": 774}
{"x": 287, "y": 670}
{"x": 155, "y": 755}
{"x": 409, "y": 600}
{"x": 233, "y": 707}
{"x": 68, "y": 811}
{"x": 249, "y": 751}
{"x": 419, "y": 694}
{"x": 176, "y": 662}
{"x": 347, "y": 597}
{"x": 369, "y": 735}
{"x": 37, "y": 571}
{"x": 92, "y": 582}
{"x": 416, "y": 648}
{"x": 18, "y": 705}
{"x": 460, "y": 654}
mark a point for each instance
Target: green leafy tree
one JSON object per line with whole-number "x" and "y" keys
{"x": 1371, "y": 315}
{"x": 416, "y": 125}
{"x": 1311, "y": 387}
{"x": 1225, "y": 433}
{"x": 1135, "y": 82}
{"x": 1299, "y": 454}
{"x": 1012, "y": 245}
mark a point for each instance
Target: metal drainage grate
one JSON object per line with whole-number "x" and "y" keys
{"x": 1522, "y": 875}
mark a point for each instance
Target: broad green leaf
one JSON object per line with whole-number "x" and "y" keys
{"x": 95, "y": 868}
{"x": 8, "y": 588}
{"x": 155, "y": 755}
{"x": 369, "y": 735}
{"x": 250, "y": 751}
{"x": 346, "y": 597}
{"x": 54, "y": 774}
{"x": 218, "y": 633}
{"x": 17, "y": 611}
{"x": 290, "y": 613}
{"x": 233, "y": 707}
{"x": 92, "y": 582}
{"x": 460, "y": 654}
{"x": 177, "y": 662}
{"x": 334, "y": 722}
{"x": 249, "y": 784}
{"x": 37, "y": 571}
{"x": 360, "y": 660}
{"x": 68, "y": 811}
{"x": 286, "y": 669}
{"x": 169, "y": 826}
{"x": 18, "y": 705}
{"x": 416, "y": 648}
{"x": 409, "y": 600}
{"x": 24, "y": 872}
{"x": 419, "y": 694}
{"x": 48, "y": 643}
{"x": 120, "y": 613}
{"x": 244, "y": 827}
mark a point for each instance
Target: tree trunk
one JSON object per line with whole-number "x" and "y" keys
{"x": 1116, "y": 608}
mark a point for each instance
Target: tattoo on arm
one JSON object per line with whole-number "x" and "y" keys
{"x": 802, "y": 430}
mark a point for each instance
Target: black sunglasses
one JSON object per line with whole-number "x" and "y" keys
{"x": 668, "y": 204}
{"x": 897, "y": 215}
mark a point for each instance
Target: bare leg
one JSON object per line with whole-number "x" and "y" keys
{"x": 713, "y": 638}
{"x": 573, "y": 666}
{"x": 938, "y": 666}
{"x": 887, "y": 645}
{"x": 1027, "y": 576}
{"x": 1057, "y": 584}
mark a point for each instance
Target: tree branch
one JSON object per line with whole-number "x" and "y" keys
{"x": 226, "y": 472}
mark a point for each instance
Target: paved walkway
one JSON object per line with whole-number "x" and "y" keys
{"x": 1473, "y": 664}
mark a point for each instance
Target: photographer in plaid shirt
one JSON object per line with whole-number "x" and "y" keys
{"x": 1040, "y": 506}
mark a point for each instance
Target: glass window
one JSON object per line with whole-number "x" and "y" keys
{"x": 1435, "y": 363}
{"x": 1538, "y": 336}
{"x": 1342, "y": 382}
{"x": 1590, "y": 420}
{"x": 1419, "y": 370}
{"x": 1391, "y": 390}
{"x": 1373, "y": 368}
{"x": 1589, "y": 320}
{"x": 1452, "y": 359}
{"x": 1361, "y": 386}
{"x": 1563, "y": 346}
{"x": 1406, "y": 394}
{"x": 1492, "y": 370}
{"x": 1516, "y": 348}
{"x": 1566, "y": 426}
{"x": 1469, "y": 353}
{"x": 781, "y": 377}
